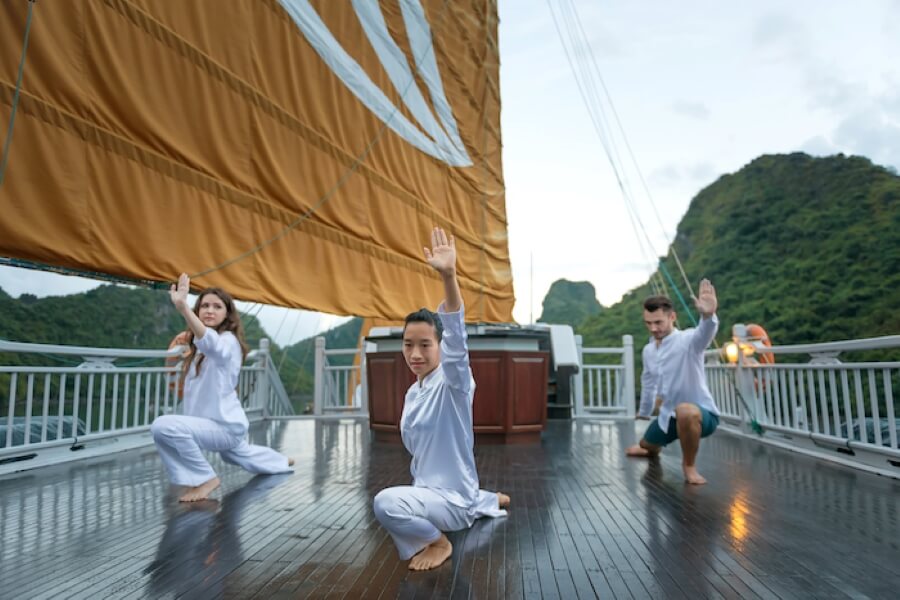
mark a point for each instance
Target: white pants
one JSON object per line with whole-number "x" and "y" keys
{"x": 416, "y": 516}
{"x": 181, "y": 440}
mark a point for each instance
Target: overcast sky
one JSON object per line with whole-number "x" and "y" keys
{"x": 701, "y": 89}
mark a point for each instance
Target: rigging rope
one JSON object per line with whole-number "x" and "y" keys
{"x": 687, "y": 308}
{"x": 584, "y": 82}
{"x": 593, "y": 82}
{"x": 290, "y": 337}
{"x": 280, "y": 325}
{"x": 634, "y": 162}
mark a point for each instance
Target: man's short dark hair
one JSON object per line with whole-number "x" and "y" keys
{"x": 423, "y": 315}
{"x": 654, "y": 303}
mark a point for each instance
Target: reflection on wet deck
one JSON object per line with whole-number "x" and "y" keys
{"x": 585, "y": 522}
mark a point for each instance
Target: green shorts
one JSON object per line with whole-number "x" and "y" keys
{"x": 656, "y": 436}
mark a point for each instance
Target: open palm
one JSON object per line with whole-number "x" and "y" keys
{"x": 178, "y": 293}
{"x": 442, "y": 255}
{"x": 706, "y": 300}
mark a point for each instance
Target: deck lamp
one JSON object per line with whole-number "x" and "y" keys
{"x": 731, "y": 350}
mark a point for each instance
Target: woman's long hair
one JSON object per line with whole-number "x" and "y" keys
{"x": 232, "y": 323}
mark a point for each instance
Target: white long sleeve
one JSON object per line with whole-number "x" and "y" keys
{"x": 674, "y": 371}
{"x": 211, "y": 392}
{"x": 437, "y": 426}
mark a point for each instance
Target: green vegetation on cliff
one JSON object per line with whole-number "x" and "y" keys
{"x": 809, "y": 248}
{"x": 122, "y": 317}
{"x": 569, "y": 302}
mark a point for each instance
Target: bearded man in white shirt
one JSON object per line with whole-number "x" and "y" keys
{"x": 673, "y": 379}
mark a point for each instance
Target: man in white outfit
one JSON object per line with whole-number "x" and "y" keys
{"x": 673, "y": 378}
{"x": 437, "y": 429}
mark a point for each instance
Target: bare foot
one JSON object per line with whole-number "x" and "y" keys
{"x": 290, "y": 462}
{"x": 692, "y": 476}
{"x": 203, "y": 505}
{"x": 432, "y": 556}
{"x": 637, "y": 451}
{"x": 201, "y": 492}
{"x": 502, "y": 499}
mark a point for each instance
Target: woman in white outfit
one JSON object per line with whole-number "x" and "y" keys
{"x": 212, "y": 416}
{"x": 436, "y": 427}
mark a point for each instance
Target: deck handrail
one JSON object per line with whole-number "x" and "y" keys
{"x": 874, "y": 343}
{"x": 85, "y": 351}
{"x": 339, "y": 389}
{"x": 821, "y": 348}
{"x": 47, "y": 406}
{"x": 604, "y": 389}
{"x": 824, "y": 405}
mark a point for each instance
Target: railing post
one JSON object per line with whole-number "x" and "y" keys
{"x": 578, "y": 388}
{"x": 262, "y": 382}
{"x": 319, "y": 376}
{"x": 176, "y": 388}
{"x": 363, "y": 382}
{"x": 747, "y": 390}
{"x": 744, "y": 380}
{"x": 628, "y": 360}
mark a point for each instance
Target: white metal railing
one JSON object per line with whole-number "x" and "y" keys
{"x": 849, "y": 407}
{"x": 97, "y": 393}
{"x": 605, "y": 388}
{"x": 260, "y": 388}
{"x": 339, "y": 388}
{"x": 599, "y": 388}
{"x": 273, "y": 397}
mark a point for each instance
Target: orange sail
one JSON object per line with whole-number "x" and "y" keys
{"x": 294, "y": 152}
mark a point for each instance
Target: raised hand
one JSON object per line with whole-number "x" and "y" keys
{"x": 442, "y": 255}
{"x": 706, "y": 300}
{"x": 179, "y": 293}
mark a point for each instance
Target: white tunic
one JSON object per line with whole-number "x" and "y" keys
{"x": 673, "y": 370}
{"x": 212, "y": 394}
{"x": 437, "y": 427}
{"x": 212, "y": 419}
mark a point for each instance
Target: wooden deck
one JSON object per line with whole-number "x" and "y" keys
{"x": 585, "y": 522}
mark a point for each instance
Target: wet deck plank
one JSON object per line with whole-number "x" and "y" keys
{"x": 585, "y": 522}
